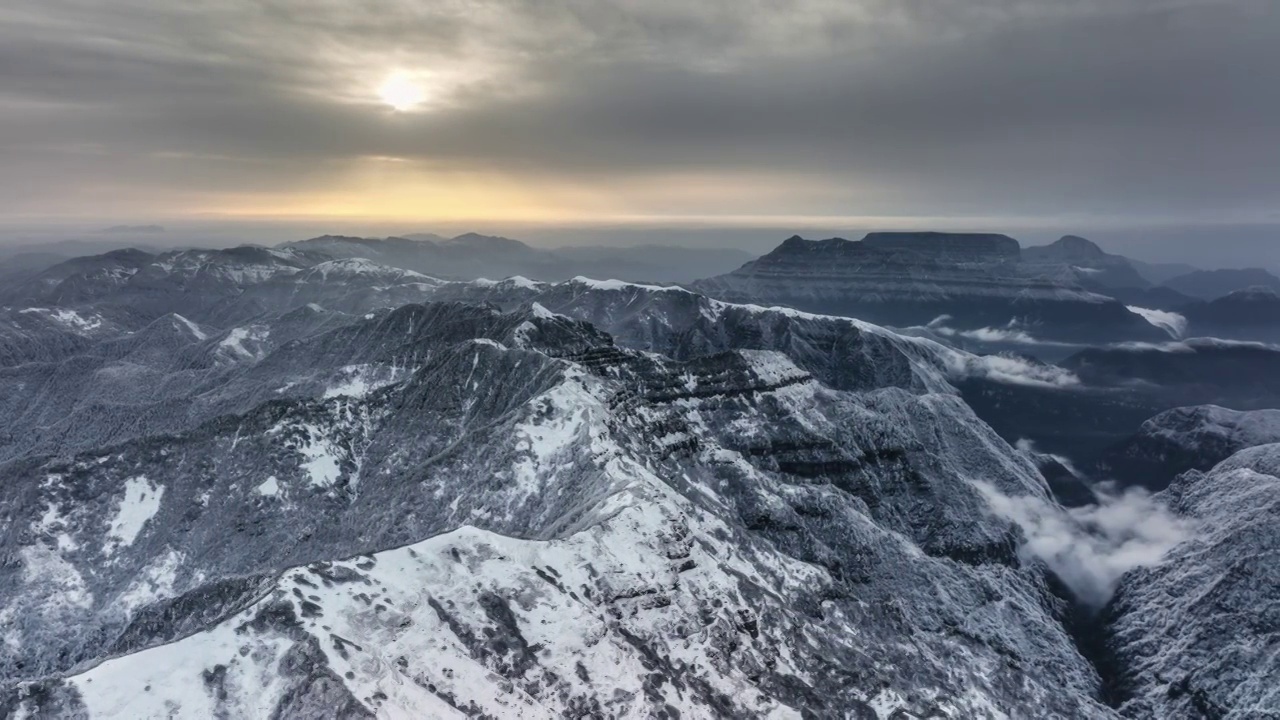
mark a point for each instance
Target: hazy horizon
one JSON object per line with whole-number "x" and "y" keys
{"x": 1147, "y": 125}
{"x": 1229, "y": 246}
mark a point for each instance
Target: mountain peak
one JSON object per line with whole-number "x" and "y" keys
{"x": 1076, "y": 246}
{"x": 795, "y": 243}
{"x": 1068, "y": 248}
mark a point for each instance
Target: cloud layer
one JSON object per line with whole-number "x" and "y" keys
{"x": 1091, "y": 548}
{"x": 1007, "y": 369}
{"x": 1133, "y": 108}
{"x": 1171, "y": 322}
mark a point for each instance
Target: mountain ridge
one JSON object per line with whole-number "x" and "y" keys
{"x": 269, "y": 481}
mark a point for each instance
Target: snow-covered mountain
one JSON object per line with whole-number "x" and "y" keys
{"x": 279, "y": 483}
{"x": 723, "y": 535}
{"x": 1196, "y": 636}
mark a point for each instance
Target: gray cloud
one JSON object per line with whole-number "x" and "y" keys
{"x": 1007, "y": 369}
{"x": 996, "y": 108}
{"x": 1091, "y": 548}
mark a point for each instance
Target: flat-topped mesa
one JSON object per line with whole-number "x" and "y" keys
{"x": 905, "y": 279}
{"x": 923, "y": 248}
{"x": 954, "y": 247}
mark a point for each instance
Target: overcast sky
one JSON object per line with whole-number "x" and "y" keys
{"x": 1011, "y": 113}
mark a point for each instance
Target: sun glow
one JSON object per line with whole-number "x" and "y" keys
{"x": 401, "y": 92}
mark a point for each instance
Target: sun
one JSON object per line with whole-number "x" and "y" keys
{"x": 401, "y": 93}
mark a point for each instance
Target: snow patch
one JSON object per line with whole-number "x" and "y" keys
{"x": 233, "y": 347}
{"x": 57, "y": 525}
{"x": 269, "y": 487}
{"x": 140, "y": 503}
{"x": 561, "y": 416}
{"x": 542, "y": 313}
{"x": 43, "y": 567}
{"x": 68, "y": 317}
{"x": 622, "y": 285}
{"x": 194, "y": 328}
{"x": 322, "y": 463}
{"x": 773, "y": 368}
{"x": 169, "y": 680}
{"x": 394, "y": 673}
{"x": 522, "y": 332}
{"x": 357, "y": 381}
{"x": 523, "y": 282}
{"x": 156, "y": 582}
{"x": 516, "y": 281}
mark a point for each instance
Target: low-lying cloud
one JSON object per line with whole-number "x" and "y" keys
{"x": 1091, "y": 548}
{"x": 1171, "y": 322}
{"x": 1009, "y": 370}
{"x": 1193, "y": 345}
{"x": 1011, "y": 334}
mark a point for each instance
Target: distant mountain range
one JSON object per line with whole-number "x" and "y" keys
{"x": 986, "y": 291}
{"x": 983, "y": 291}
{"x": 1213, "y": 284}
{"x": 471, "y": 256}
{"x": 1159, "y": 273}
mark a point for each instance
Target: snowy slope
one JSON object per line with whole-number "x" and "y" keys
{"x": 1198, "y": 635}
{"x": 722, "y": 536}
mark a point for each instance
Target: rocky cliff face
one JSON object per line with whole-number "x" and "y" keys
{"x": 1198, "y": 635}
{"x": 1188, "y": 438}
{"x": 906, "y": 279}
